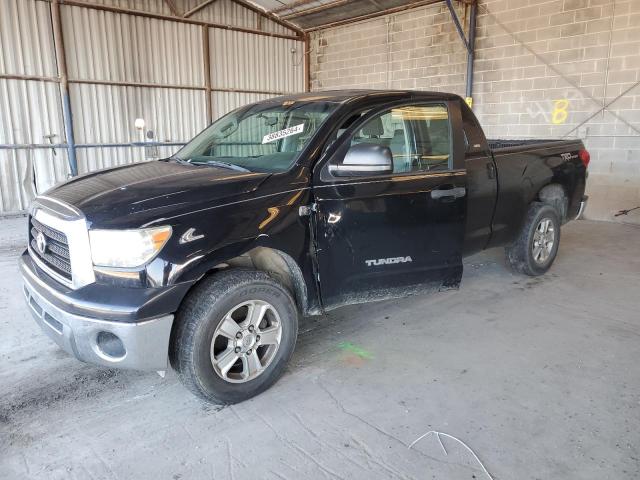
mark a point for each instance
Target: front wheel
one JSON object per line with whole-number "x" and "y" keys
{"x": 536, "y": 246}
{"x": 234, "y": 336}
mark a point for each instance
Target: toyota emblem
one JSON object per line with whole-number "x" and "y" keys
{"x": 41, "y": 243}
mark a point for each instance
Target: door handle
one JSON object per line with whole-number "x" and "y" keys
{"x": 456, "y": 192}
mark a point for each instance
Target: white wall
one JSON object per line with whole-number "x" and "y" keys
{"x": 530, "y": 54}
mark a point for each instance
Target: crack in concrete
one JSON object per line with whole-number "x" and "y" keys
{"x": 386, "y": 434}
{"x": 326, "y": 470}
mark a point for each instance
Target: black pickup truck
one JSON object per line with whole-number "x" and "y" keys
{"x": 291, "y": 206}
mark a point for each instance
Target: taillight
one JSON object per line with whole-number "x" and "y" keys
{"x": 585, "y": 157}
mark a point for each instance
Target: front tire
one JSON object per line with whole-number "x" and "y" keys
{"x": 536, "y": 246}
{"x": 234, "y": 335}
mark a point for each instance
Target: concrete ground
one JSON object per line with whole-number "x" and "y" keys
{"x": 539, "y": 376}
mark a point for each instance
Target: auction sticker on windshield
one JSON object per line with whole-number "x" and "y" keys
{"x": 287, "y": 132}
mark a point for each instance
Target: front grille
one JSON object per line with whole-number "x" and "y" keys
{"x": 56, "y": 252}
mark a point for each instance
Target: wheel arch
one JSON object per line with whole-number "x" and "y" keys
{"x": 556, "y": 195}
{"x": 276, "y": 263}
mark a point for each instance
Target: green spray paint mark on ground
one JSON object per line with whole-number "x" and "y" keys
{"x": 356, "y": 350}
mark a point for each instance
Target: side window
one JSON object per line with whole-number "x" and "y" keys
{"x": 343, "y": 127}
{"x": 418, "y": 137}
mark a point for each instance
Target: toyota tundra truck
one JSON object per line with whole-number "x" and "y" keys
{"x": 288, "y": 207}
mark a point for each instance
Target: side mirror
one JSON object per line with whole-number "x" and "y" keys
{"x": 364, "y": 159}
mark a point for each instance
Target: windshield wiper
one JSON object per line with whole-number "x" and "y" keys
{"x": 217, "y": 163}
{"x": 180, "y": 160}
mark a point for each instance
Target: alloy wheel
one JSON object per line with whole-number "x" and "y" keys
{"x": 543, "y": 241}
{"x": 246, "y": 341}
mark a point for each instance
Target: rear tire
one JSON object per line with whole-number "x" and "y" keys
{"x": 536, "y": 246}
{"x": 222, "y": 351}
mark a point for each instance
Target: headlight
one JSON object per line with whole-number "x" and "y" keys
{"x": 127, "y": 248}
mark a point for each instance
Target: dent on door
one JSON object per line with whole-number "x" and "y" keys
{"x": 390, "y": 238}
{"x": 401, "y": 232}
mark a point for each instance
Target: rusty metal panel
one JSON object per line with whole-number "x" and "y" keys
{"x": 244, "y": 61}
{"x": 26, "y": 42}
{"x": 107, "y": 46}
{"x": 106, "y": 113}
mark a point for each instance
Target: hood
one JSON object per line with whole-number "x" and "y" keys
{"x": 128, "y": 196}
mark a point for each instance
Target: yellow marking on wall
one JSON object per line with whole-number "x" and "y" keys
{"x": 560, "y": 113}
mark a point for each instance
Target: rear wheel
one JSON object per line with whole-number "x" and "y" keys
{"x": 234, "y": 335}
{"x": 536, "y": 247}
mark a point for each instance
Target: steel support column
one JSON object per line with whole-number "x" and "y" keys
{"x": 456, "y": 22}
{"x": 469, "y": 44}
{"x": 61, "y": 61}
{"x": 307, "y": 62}
{"x": 471, "y": 51}
{"x": 206, "y": 62}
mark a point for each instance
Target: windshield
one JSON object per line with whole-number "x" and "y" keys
{"x": 259, "y": 138}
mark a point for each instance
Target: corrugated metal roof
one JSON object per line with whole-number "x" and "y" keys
{"x": 227, "y": 12}
{"x": 311, "y": 14}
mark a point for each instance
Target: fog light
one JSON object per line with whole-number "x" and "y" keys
{"x": 110, "y": 345}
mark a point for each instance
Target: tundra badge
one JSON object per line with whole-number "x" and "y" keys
{"x": 387, "y": 261}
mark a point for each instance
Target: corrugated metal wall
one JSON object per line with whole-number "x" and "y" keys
{"x": 224, "y": 102}
{"x": 259, "y": 64}
{"x": 122, "y": 67}
{"x": 112, "y": 48}
{"x": 25, "y": 38}
{"x": 30, "y": 111}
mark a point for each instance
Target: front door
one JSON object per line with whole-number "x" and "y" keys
{"x": 391, "y": 235}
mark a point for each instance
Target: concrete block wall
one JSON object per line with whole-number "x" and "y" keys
{"x": 544, "y": 69}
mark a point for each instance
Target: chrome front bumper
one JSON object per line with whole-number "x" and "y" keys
{"x": 144, "y": 344}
